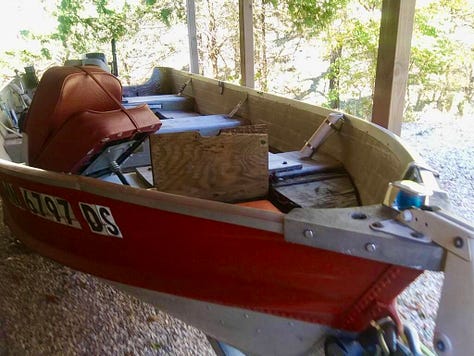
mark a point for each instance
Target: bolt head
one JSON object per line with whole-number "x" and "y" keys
{"x": 458, "y": 242}
{"x": 407, "y": 215}
{"x": 370, "y": 247}
{"x": 308, "y": 233}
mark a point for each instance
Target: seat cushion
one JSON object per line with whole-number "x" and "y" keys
{"x": 62, "y": 93}
{"x": 86, "y": 134}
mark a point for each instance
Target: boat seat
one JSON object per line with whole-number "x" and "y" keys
{"x": 206, "y": 125}
{"x": 161, "y": 103}
{"x": 73, "y": 118}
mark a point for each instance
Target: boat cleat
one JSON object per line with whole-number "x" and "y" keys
{"x": 402, "y": 196}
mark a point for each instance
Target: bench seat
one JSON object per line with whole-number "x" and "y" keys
{"x": 207, "y": 125}
{"x": 163, "y": 102}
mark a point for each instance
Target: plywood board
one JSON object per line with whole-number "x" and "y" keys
{"x": 229, "y": 167}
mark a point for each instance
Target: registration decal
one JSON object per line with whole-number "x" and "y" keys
{"x": 11, "y": 194}
{"x": 100, "y": 219}
{"x": 50, "y": 207}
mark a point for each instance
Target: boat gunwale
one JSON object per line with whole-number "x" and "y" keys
{"x": 184, "y": 205}
{"x": 378, "y": 132}
{"x": 380, "y": 148}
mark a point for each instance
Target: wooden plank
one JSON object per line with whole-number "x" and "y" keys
{"x": 392, "y": 63}
{"x": 246, "y": 43}
{"x": 192, "y": 37}
{"x": 247, "y": 129}
{"x": 229, "y": 167}
{"x": 335, "y": 192}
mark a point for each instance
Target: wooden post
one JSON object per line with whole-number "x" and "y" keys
{"x": 396, "y": 29}
{"x": 192, "y": 38}
{"x": 246, "y": 43}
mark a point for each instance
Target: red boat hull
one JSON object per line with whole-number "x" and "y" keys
{"x": 133, "y": 237}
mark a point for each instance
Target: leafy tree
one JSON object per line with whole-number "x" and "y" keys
{"x": 442, "y": 60}
{"x": 90, "y": 25}
{"x": 346, "y": 32}
{"x": 218, "y": 39}
{"x": 83, "y": 25}
{"x": 277, "y": 41}
{"x": 342, "y": 35}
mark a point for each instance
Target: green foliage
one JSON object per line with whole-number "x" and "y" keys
{"x": 442, "y": 58}
{"x": 90, "y": 25}
{"x": 345, "y": 33}
{"x": 441, "y": 65}
{"x": 314, "y": 15}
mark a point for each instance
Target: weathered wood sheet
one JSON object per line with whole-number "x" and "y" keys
{"x": 229, "y": 167}
{"x": 331, "y": 193}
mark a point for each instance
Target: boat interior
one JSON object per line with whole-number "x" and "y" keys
{"x": 203, "y": 138}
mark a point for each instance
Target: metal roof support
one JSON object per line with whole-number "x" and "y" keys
{"x": 246, "y": 43}
{"x": 192, "y": 38}
{"x": 392, "y": 63}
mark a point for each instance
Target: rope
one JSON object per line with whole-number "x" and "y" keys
{"x": 129, "y": 115}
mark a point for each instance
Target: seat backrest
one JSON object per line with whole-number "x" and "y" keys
{"x": 62, "y": 93}
{"x": 77, "y": 114}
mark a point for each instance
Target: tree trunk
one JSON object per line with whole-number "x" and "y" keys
{"x": 212, "y": 44}
{"x": 264, "y": 60}
{"x": 334, "y": 76}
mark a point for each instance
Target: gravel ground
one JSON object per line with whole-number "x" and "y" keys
{"x": 447, "y": 145}
{"x": 48, "y": 309}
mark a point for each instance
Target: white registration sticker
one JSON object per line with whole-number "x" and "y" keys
{"x": 50, "y": 207}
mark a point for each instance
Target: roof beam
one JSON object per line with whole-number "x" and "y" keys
{"x": 396, "y": 30}
{"x": 246, "y": 43}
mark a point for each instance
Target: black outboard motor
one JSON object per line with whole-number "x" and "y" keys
{"x": 30, "y": 79}
{"x": 96, "y": 55}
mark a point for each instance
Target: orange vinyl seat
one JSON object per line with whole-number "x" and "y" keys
{"x": 73, "y": 117}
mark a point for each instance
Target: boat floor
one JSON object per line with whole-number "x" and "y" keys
{"x": 318, "y": 182}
